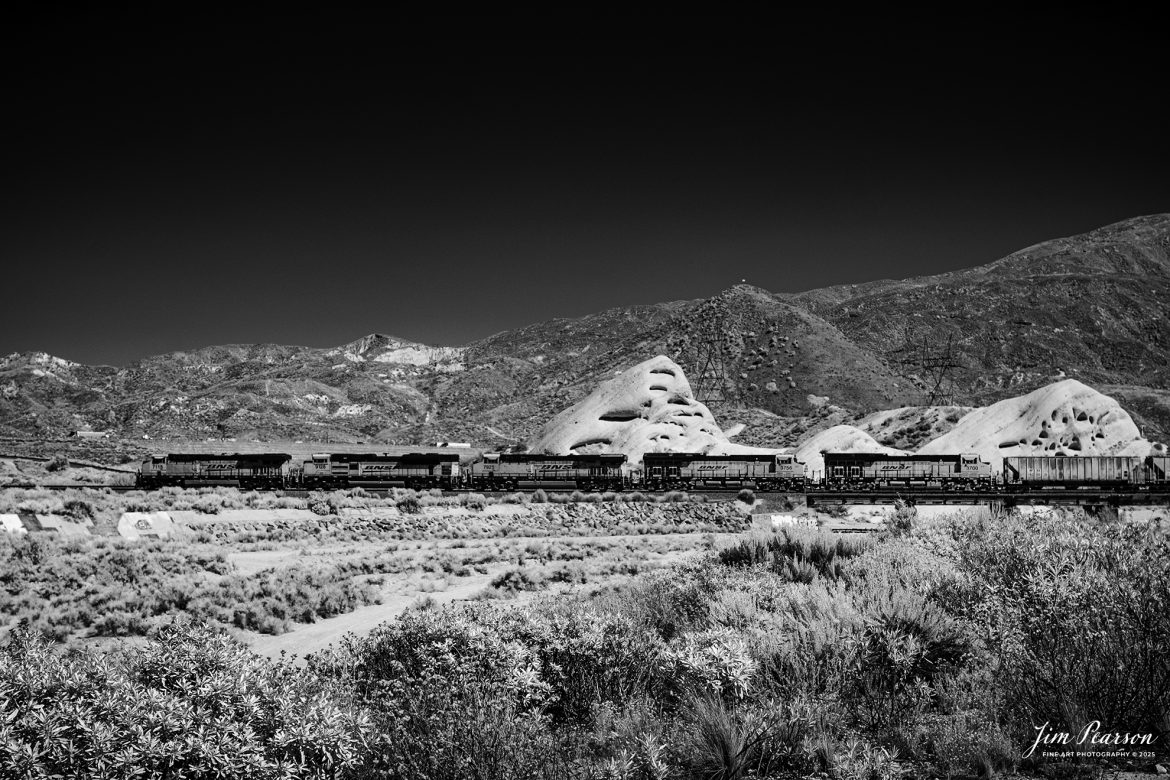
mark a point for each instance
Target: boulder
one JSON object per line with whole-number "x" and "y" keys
{"x": 1064, "y": 418}
{"x": 648, "y": 408}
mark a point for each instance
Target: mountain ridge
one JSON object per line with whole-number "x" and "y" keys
{"x": 1090, "y": 307}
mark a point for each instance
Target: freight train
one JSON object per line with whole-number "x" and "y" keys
{"x": 657, "y": 471}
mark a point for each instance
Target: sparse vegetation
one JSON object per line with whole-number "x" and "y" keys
{"x": 931, "y": 650}
{"x": 109, "y": 587}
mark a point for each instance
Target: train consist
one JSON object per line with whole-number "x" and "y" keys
{"x": 657, "y": 471}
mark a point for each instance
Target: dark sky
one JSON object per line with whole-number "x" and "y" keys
{"x": 312, "y": 188}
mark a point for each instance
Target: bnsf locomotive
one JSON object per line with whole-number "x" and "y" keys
{"x": 419, "y": 470}
{"x": 512, "y": 471}
{"x": 860, "y": 469}
{"x": 658, "y": 471}
{"x": 261, "y": 472}
{"x": 686, "y": 471}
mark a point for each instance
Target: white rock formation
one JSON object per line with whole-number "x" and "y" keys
{"x": 377, "y": 348}
{"x": 839, "y": 438}
{"x": 1065, "y": 418}
{"x": 649, "y": 408}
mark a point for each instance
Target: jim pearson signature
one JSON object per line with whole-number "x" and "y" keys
{"x": 1091, "y": 734}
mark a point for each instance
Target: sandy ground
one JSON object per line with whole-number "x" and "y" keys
{"x": 401, "y": 591}
{"x": 314, "y": 637}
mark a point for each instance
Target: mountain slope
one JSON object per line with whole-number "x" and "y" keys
{"x": 1090, "y": 307}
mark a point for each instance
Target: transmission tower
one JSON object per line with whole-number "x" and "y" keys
{"x": 935, "y": 366}
{"x": 706, "y": 353}
{"x": 708, "y": 369}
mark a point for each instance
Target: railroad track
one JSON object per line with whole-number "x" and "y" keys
{"x": 1066, "y": 497}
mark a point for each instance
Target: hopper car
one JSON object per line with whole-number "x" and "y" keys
{"x": 1023, "y": 473}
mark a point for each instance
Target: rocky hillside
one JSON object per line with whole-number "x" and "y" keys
{"x": 1091, "y": 307}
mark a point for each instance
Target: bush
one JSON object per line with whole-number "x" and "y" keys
{"x": 901, "y": 521}
{"x": 909, "y": 644}
{"x": 746, "y": 496}
{"x": 79, "y": 509}
{"x": 57, "y": 463}
{"x": 837, "y": 511}
{"x": 476, "y": 502}
{"x": 1078, "y": 618}
{"x": 795, "y": 551}
{"x": 191, "y": 703}
{"x": 540, "y": 497}
{"x": 409, "y": 505}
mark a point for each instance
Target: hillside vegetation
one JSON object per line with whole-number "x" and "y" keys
{"x": 933, "y": 650}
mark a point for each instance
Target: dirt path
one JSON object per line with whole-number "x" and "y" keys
{"x": 402, "y": 591}
{"x": 312, "y": 637}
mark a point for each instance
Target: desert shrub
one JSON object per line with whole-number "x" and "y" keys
{"x": 909, "y": 643}
{"x": 963, "y": 736}
{"x": 901, "y": 521}
{"x": 539, "y": 496}
{"x": 738, "y": 742}
{"x": 1077, "y": 616}
{"x": 715, "y": 662}
{"x": 110, "y": 587}
{"x": 477, "y": 502}
{"x": 519, "y": 580}
{"x": 191, "y": 703}
{"x": 669, "y": 602}
{"x": 268, "y": 600}
{"x": 837, "y": 511}
{"x": 208, "y": 505}
{"x": 517, "y": 498}
{"x": 78, "y": 509}
{"x": 808, "y": 640}
{"x": 51, "y": 505}
{"x": 447, "y": 695}
{"x": 796, "y": 552}
{"x": 57, "y": 463}
{"x": 746, "y": 496}
{"x": 325, "y": 504}
{"x": 409, "y": 505}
